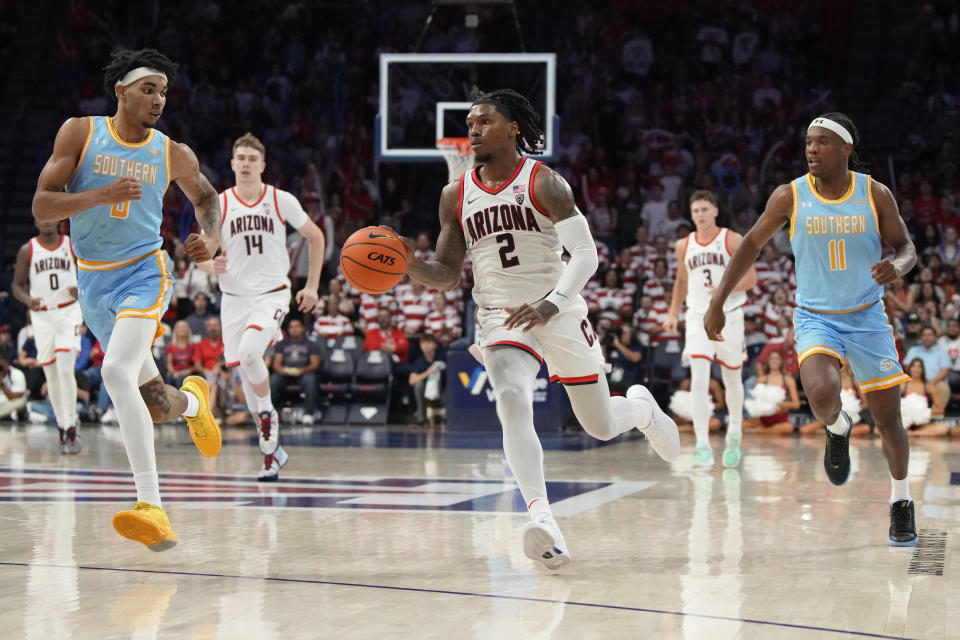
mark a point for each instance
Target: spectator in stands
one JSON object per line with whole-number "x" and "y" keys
{"x": 780, "y": 307}
{"x": 296, "y": 360}
{"x": 202, "y": 311}
{"x": 654, "y": 210}
{"x": 226, "y": 394}
{"x": 751, "y": 332}
{"x": 28, "y": 363}
{"x": 919, "y": 385}
{"x": 443, "y": 322}
{"x": 773, "y": 372}
{"x": 624, "y": 353}
{"x": 205, "y": 351}
{"x": 899, "y": 298}
{"x": 13, "y": 384}
{"x": 603, "y": 215}
{"x": 785, "y": 346}
{"x": 669, "y": 225}
{"x": 415, "y": 303}
{"x": 948, "y": 250}
{"x": 647, "y": 322}
{"x": 936, "y": 361}
{"x": 386, "y": 338}
{"x": 427, "y": 379}
{"x": 424, "y": 248}
{"x": 951, "y": 344}
{"x": 332, "y": 323}
{"x": 8, "y": 348}
{"x": 179, "y": 354}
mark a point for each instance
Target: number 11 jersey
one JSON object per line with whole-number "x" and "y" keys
{"x": 254, "y": 237}
{"x": 512, "y": 243}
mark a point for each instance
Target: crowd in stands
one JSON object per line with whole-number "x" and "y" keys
{"x": 709, "y": 99}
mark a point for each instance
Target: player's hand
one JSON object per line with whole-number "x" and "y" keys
{"x": 528, "y": 317}
{"x": 670, "y": 324}
{"x": 220, "y": 264}
{"x": 713, "y": 321}
{"x": 36, "y": 304}
{"x": 73, "y": 292}
{"x": 123, "y": 189}
{"x": 884, "y": 272}
{"x": 201, "y": 247}
{"x": 307, "y": 300}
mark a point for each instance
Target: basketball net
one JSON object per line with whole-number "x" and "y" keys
{"x": 458, "y": 154}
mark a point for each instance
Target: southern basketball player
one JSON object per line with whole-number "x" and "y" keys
{"x": 514, "y": 215}
{"x": 45, "y": 279}
{"x": 839, "y": 220}
{"x": 253, "y": 268}
{"x": 108, "y": 175}
{"x": 702, "y": 258}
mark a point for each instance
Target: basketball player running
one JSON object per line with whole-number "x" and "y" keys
{"x": 109, "y": 176}
{"x": 702, "y": 258}
{"x": 515, "y": 215}
{"x": 838, "y": 221}
{"x": 253, "y": 267}
{"x": 45, "y": 279}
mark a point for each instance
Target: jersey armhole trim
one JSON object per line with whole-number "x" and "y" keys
{"x": 533, "y": 198}
{"x": 873, "y": 205}
{"x": 83, "y": 152}
{"x": 276, "y": 206}
{"x": 796, "y": 207}
{"x": 166, "y": 159}
{"x": 223, "y": 214}
{"x": 726, "y": 244}
{"x": 460, "y": 202}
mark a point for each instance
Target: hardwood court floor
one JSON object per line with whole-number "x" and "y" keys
{"x": 402, "y": 536}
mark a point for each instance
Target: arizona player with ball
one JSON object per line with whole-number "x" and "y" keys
{"x": 515, "y": 215}
{"x": 253, "y": 268}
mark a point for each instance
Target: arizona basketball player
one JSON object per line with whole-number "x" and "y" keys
{"x": 515, "y": 215}
{"x": 253, "y": 267}
{"x": 702, "y": 258}
{"x": 45, "y": 280}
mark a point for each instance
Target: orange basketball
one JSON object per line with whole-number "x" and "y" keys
{"x": 373, "y": 260}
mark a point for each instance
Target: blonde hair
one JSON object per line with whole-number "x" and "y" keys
{"x": 252, "y": 141}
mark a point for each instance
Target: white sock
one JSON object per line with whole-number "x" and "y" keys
{"x": 193, "y": 405}
{"x": 899, "y": 489}
{"x": 699, "y": 398}
{"x": 841, "y": 427}
{"x": 253, "y": 344}
{"x": 733, "y": 393}
{"x": 120, "y": 373}
{"x": 512, "y": 373}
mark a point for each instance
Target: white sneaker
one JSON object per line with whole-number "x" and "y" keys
{"x": 36, "y": 417}
{"x": 307, "y": 419}
{"x": 661, "y": 431}
{"x": 109, "y": 417}
{"x": 269, "y": 431}
{"x": 272, "y": 462}
{"x": 543, "y": 541}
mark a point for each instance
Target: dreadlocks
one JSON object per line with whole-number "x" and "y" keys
{"x": 844, "y": 121}
{"x": 515, "y": 108}
{"x": 123, "y": 61}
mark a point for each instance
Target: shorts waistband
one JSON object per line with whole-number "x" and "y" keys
{"x": 108, "y": 265}
{"x": 860, "y": 308}
{"x": 59, "y": 306}
{"x": 280, "y": 288}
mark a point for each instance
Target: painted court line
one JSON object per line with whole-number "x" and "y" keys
{"x": 468, "y": 594}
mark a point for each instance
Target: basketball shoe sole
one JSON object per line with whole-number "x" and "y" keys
{"x": 147, "y": 524}
{"x": 543, "y": 542}
{"x": 203, "y": 428}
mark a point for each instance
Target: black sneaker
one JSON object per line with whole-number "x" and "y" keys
{"x": 903, "y": 528}
{"x": 836, "y": 458}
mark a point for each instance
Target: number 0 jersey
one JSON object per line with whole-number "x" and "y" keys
{"x": 705, "y": 263}
{"x": 254, "y": 238}
{"x": 512, "y": 243}
{"x": 52, "y": 273}
{"x": 835, "y": 242}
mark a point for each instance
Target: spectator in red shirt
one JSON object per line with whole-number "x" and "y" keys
{"x": 357, "y": 202}
{"x": 786, "y": 349}
{"x": 388, "y": 339}
{"x": 179, "y": 354}
{"x": 206, "y": 351}
{"x": 926, "y": 206}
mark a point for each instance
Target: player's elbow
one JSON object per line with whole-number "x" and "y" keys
{"x": 450, "y": 283}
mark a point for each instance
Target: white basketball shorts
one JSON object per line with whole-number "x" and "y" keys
{"x": 56, "y": 330}
{"x": 263, "y": 312}
{"x": 731, "y": 353}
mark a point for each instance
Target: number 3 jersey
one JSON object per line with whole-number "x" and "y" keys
{"x": 512, "y": 243}
{"x": 254, "y": 237}
{"x": 705, "y": 263}
{"x": 835, "y": 242}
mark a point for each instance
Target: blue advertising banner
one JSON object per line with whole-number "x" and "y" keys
{"x": 470, "y": 402}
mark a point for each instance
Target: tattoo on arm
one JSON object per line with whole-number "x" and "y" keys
{"x": 208, "y": 208}
{"x": 164, "y": 402}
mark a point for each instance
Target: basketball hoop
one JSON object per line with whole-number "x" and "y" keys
{"x": 459, "y": 156}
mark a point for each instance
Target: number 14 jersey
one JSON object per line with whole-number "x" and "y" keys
{"x": 254, "y": 238}
{"x": 512, "y": 243}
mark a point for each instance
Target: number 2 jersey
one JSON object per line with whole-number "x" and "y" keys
{"x": 512, "y": 243}
{"x": 254, "y": 237}
{"x": 835, "y": 242}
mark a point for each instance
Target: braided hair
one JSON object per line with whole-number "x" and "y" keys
{"x": 844, "y": 121}
{"x": 124, "y": 61}
{"x": 515, "y": 108}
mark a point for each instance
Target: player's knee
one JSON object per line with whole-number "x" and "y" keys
{"x": 824, "y": 399}
{"x": 115, "y": 376}
{"x": 512, "y": 399}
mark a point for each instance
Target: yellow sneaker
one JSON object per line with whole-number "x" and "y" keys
{"x": 203, "y": 428}
{"x": 148, "y": 524}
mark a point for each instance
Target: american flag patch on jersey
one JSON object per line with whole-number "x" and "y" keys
{"x": 518, "y": 191}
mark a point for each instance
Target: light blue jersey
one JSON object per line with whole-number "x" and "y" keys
{"x": 108, "y": 234}
{"x": 835, "y": 243}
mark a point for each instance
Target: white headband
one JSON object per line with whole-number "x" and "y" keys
{"x": 836, "y": 127}
{"x": 140, "y": 72}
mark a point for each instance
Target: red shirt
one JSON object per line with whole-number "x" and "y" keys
{"x": 205, "y": 353}
{"x": 181, "y": 357}
{"x": 789, "y": 354}
{"x": 376, "y": 337}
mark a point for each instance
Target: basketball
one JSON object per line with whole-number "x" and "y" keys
{"x": 373, "y": 260}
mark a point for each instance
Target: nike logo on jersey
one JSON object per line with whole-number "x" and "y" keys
{"x": 374, "y": 236}
{"x": 473, "y": 199}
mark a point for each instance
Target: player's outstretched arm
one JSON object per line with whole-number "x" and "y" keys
{"x": 51, "y": 202}
{"x": 20, "y": 284}
{"x": 775, "y": 215}
{"x": 307, "y": 297}
{"x": 679, "y": 287}
{"x": 893, "y": 232}
{"x": 443, "y": 272}
{"x": 206, "y": 204}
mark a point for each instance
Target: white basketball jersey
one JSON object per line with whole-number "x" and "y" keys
{"x": 705, "y": 264}
{"x": 254, "y": 237}
{"x": 52, "y": 272}
{"x": 511, "y": 240}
